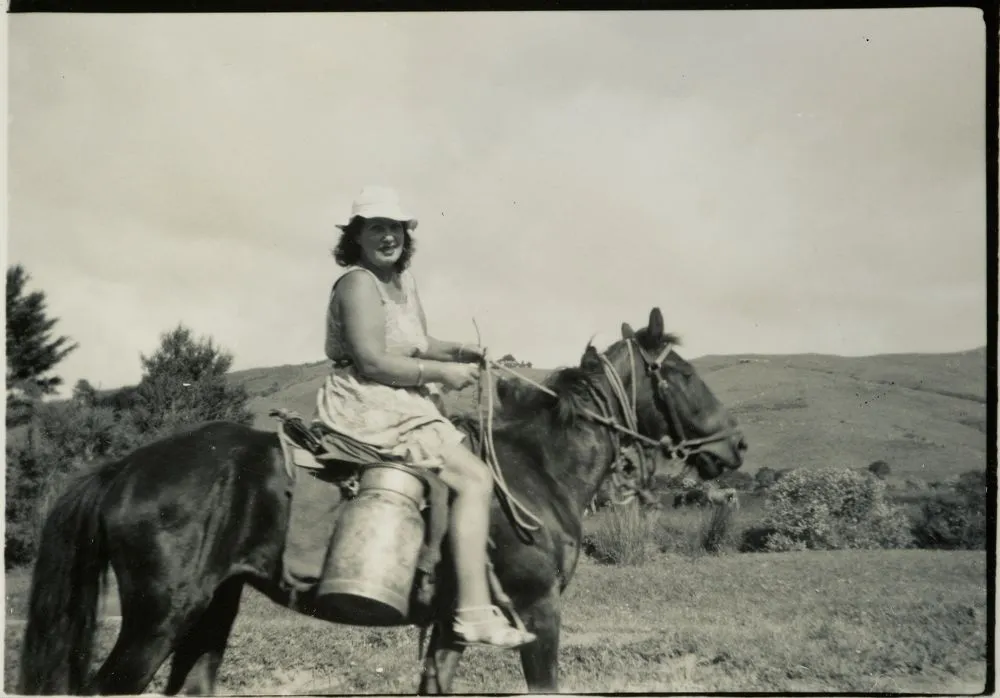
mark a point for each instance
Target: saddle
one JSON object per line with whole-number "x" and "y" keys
{"x": 325, "y": 468}
{"x": 338, "y": 461}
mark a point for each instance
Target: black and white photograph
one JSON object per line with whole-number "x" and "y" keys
{"x": 609, "y": 351}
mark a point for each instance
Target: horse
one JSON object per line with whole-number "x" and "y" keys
{"x": 187, "y": 521}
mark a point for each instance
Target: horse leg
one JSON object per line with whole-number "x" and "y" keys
{"x": 540, "y": 659}
{"x": 148, "y": 631}
{"x": 439, "y": 664}
{"x": 199, "y": 653}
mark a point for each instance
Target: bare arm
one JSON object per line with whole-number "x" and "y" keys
{"x": 363, "y": 319}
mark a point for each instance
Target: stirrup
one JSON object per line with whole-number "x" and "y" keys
{"x": 494, "y": 631}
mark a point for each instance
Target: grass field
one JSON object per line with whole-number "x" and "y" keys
{"x": 892, "y": 621}
{"x": 851, "y": 621}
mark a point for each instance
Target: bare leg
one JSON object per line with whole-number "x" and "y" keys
{"x": 469, "y": 530}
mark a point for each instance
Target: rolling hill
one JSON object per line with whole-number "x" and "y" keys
{"x": 924, "y": 414}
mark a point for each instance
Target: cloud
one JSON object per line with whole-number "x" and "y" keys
{"x": 774, "y": 181}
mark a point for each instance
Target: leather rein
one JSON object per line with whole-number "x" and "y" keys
{"x": 678, "y": 448}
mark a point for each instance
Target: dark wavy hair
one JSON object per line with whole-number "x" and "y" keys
{"x": 348, "y": 250}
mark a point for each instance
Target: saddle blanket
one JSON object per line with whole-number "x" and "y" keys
{"x": 316, "y": 498}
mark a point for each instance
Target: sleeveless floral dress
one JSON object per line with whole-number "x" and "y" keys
{"x": 398, "y": 422}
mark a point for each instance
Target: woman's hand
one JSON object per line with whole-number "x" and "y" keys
{"x": 458, "y": 376}
{"x": 471, "y": 353}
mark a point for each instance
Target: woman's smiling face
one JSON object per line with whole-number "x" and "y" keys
{"x": 381, "y": 241}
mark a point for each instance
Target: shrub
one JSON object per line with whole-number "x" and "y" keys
{"x": 880, "y": 469}
{"x": 696, "y": 531}
{"x": 680, "y": 531}
{"x": 68, "y": 436}
{"x": 737, "y": 480}
{"x": 184, "y": 382}
{"x": 716, "y": 530}
{"x": 625, "y": 536}
{"x": 668, "y": 482}
{"x": 778, "y": 474}
{"x": 972, "y": 486}
{"x": 765, "y": 477}
{"x": 831, "y": 509}
{"x": 954, "y": 520}
{"x": 24, "y": 482}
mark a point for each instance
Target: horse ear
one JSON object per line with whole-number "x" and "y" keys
{"x": 627, "y": 331}
{"x": 655, "y": 324}
{"x": 590, "y": 357}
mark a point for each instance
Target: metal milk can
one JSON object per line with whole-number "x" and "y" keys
{"x": 371, "y": 562}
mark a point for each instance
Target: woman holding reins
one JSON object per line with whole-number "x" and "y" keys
{"x": 385, "y": 366}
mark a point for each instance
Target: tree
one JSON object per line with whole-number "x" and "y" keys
{"x": 85, "y": 393}
{"x": 184, "y": 383}
{"x": 508, "y": 360}
{"x": 32, "y": 352}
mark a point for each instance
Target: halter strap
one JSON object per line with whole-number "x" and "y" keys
{"x": 681, "y": 450}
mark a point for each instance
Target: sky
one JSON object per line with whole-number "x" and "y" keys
{"x": 774, "y": 181}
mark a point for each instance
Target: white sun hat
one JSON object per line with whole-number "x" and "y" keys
{"x": 379, "y": 202}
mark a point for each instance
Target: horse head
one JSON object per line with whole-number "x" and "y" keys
{"x": 671, "y": 403}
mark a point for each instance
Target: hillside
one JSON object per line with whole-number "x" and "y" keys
{"x": 925, "y": 414}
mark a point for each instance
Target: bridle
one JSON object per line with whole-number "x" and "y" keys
{"x": 677, "y": 447}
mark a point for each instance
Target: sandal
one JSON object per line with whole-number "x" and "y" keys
{"x": 492, "y": 631}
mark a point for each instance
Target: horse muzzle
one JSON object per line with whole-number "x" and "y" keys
{"x": 727, "y": 453}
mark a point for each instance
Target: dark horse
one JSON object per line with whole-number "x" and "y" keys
{"x": 186, "y": 521}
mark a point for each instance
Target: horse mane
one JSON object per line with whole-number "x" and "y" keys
{"x": 571, "y": 386}
{"x": 668, "y": 337}
{"x": 520, "y": 400}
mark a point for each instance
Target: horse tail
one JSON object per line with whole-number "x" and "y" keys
{"x": 65, "y": 589}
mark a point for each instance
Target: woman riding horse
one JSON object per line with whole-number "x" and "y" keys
{"x": 186, "y": 521}
{"x": 377, "y": 392}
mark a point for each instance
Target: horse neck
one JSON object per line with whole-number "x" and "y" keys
{"x": 583, "y": 457}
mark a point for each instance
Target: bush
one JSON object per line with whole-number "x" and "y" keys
{"x": 831, "y": 509}
{"x": 737, "y": 480}
{"x": 954, "y": 520}
{"x": 184, "y": 382}
{"x": 717, "y": 529}
{"x": 880, "y": 469}
{"x": 696, "y": 531}
{"x": 668, "y": 482}
{"x": 68, "y": 435}
{"x": 765, "y": 477}
{"x": 25, "y": 482}
{"x": 680, "y": 531}
{"x": 972, "y": 486}
{"x": 625, "y": 536}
